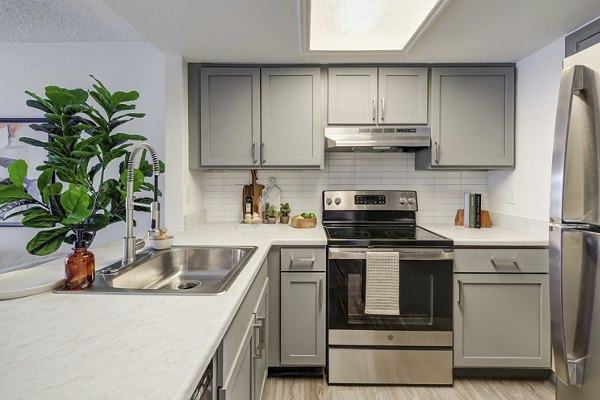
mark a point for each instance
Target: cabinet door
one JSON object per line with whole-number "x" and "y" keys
{"x": 352, "y": 96}
{"x": 501, "y": 320}
{"x": 238, "y": 385}
{"x": 291, "y": 117}
{"x": 230, "y": 116}
{"x": 472, "y": 117}
{"x": 259, "y": 343}
{"x": 402, "y": 96}
{"x": 303, "y": 318}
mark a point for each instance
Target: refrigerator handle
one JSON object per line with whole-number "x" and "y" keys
{"x": 577, "y": 80}
{"x": 570, "y": 362}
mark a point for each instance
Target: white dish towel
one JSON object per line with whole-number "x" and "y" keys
{"x": 383, "y": 279}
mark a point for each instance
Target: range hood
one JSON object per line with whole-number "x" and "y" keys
{"x": 358, "y": 138}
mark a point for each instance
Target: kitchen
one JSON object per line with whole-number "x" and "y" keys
{"x": 148, "y": 49}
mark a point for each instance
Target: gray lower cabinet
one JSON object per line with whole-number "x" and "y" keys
{"x": 242, "y": 355}
{"x": 472, "y": 119}
{"x": 501, "y": 320}
{"x": 291, "y": 117}
{"x": 303, "y": 318}
{"x": 302, "y": 306}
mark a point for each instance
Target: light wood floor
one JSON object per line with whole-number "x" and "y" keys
{"x": 296, "y": 388}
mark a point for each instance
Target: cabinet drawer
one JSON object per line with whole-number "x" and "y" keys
{"x": 303, "y": 259}
{"x": 501, "y": 260}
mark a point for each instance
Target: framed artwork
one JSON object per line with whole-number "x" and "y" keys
{"x": 11, "y": 149}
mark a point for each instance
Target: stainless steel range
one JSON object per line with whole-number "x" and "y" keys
{"x": 389, "y": 310}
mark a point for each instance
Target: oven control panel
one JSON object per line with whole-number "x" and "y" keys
{"x": 352, "y": 200}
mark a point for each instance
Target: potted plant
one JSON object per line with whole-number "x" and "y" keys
{"x": 74, "y": 197}
{"x": 272, "y": 214}
{"x": 285, "y": 213}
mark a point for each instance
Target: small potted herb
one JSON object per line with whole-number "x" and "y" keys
{"x": 272, "y": 214}
{"x": 285, "y": 213}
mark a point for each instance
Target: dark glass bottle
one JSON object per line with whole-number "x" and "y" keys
{"x": 80, "y": 268}
{"x": 248, "y": 204}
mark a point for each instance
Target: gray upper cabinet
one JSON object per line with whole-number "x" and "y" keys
{"x": 352, "y": 95}
{"x": 394, "y": 95}
{"x": 230, "y": 116}
{"x": 472, "y": 118}
{"x": 402, "y": 96}
{"x": 291, "y": 117}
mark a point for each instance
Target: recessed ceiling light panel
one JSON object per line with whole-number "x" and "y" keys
{"x": 368, "y": 25}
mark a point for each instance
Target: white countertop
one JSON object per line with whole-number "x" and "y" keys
{"x": 98, "y": 346}
{"x": 493, "y": 236}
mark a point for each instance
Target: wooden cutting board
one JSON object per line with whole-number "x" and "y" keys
{"x": 255, "y": 191}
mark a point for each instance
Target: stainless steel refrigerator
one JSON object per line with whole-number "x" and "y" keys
{"x": 575, "y": 230}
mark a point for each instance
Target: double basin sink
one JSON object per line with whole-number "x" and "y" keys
{"x": 188, "y": 270}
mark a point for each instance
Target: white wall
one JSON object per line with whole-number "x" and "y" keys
{"x": 182, "y": 186}
{"x": 120, "y": 66}
{"x": 439, "y": 193}
{"x": 538, "y": 79}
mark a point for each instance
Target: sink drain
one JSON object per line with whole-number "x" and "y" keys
{"x": 183, "y": 285}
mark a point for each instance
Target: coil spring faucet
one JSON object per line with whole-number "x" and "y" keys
{"x": 130, "y": 244}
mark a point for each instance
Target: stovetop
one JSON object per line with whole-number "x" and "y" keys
{"x": 365, "y": 235}
{"x": 383, "y": 218}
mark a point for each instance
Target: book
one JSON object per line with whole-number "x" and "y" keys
{"x": 477, "y": 210}
{"x": 472, "y": 210}
{"x": 466, "y": 209}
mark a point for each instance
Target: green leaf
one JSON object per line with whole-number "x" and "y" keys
{"x": 44, "y": 180}
{"x": 10, "y": 193}
{"x": 39, "y": 218}
{"x": 38, "y": 105}
{"x": 96, "y": 222}
{"x": 75, "y": 200}
{"x": 77, "y": 217}
{"x": 17, "y": 171}
{"x": 47, "y": 242}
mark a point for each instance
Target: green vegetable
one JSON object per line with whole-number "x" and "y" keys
{"x": 312, "y": 215}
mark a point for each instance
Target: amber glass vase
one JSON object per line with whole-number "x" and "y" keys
{"x": 79, "y": 269}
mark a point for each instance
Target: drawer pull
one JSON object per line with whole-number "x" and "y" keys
{"x": 460, "y": 292}
{"x": 504, "y": 261}
{"x": 303, "y": 260}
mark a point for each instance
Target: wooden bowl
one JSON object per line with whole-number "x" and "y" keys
{"x": 303, "y": 223}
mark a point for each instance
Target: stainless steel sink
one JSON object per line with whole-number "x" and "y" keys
{"x": 188, "y": 270}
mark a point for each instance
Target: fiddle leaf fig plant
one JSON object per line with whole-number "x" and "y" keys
{"x": 73, "y": 198}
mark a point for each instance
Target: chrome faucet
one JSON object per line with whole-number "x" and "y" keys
{"x": 130, "y": 244}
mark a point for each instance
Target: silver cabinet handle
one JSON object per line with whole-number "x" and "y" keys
{"x": 262, "y": 153}
{"x": 437, "y": 152}
{"x": 374, "y": 108}
{"x": 512, "y": 261}
{"x": 382, "y": 108}
{"x": 320, "y": 293}
{"x": 460, "y": 293}
{"x": 253, "y": 152}
{"x": 579, "y": 81}
{"x": 259, "y": 332}
{"x": 303, "y": 260}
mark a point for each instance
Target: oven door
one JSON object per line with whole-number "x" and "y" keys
{"x": 425, "y": 290}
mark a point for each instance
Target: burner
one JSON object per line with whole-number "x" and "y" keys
{"x": 401, "y": 233}
{"x": 351, "y": 234}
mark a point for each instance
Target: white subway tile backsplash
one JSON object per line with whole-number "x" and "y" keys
{"x": 439, "y": 193}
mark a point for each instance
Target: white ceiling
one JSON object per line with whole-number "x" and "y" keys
{"x": 269, "y": 31}
{"x": 51, "y": 21}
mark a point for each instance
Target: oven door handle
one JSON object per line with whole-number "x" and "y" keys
{"x": 404, "y": 254}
